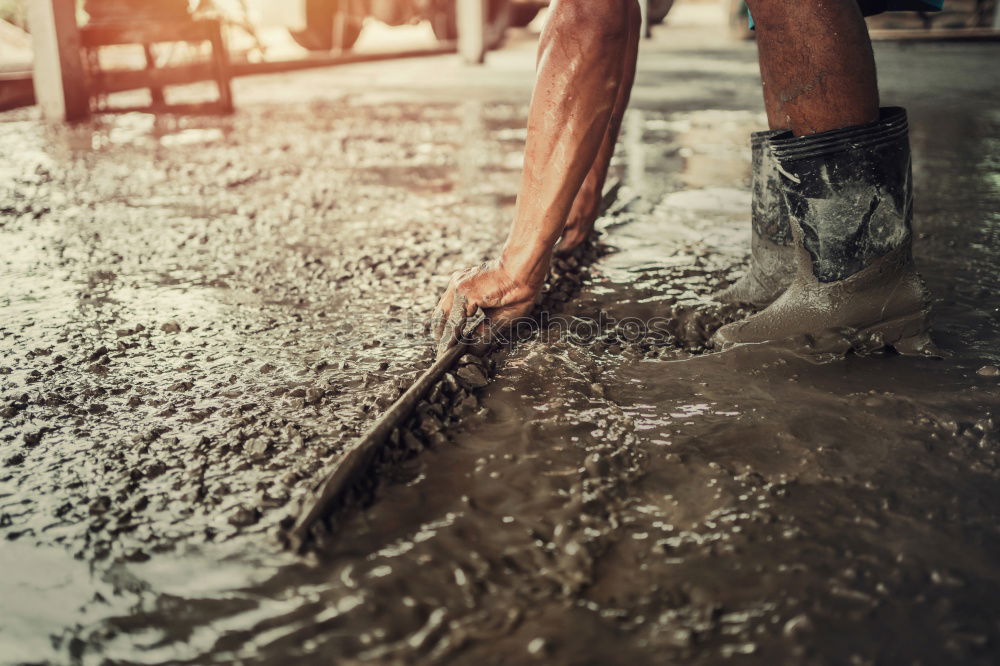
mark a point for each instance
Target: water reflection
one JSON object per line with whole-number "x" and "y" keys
{"x": 635, "y": 151}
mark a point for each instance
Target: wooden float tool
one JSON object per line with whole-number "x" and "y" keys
{"x": 358, "y": 457}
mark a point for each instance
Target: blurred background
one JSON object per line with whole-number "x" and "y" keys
{"x": 266, "y": 36}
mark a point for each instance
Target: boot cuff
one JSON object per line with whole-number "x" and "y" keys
{"x": 891, "y": 126}
{"x": 758, "y": 139}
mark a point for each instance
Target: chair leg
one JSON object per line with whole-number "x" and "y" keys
{"x": 59, "y": 80}
{"x": 221, "y": 59}
{"x": 157, "y": 100}
{"x": 92, "y": 73}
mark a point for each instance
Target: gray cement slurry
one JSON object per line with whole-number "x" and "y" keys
{"x": 195, "y": 316}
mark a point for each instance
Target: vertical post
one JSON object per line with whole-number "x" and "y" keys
{"x": 220, "y": 60}
{"x": 60, "y": 83}
{"x": 471, "y": 21}
{"x": 996, "y": 15}
{"x": 340, "y": 28}
{"x": 646, "y": 29}
{"x": 156, "y": 98}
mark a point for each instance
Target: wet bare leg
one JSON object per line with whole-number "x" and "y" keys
{"x": 818, "y": 74}
{"x": 580, "y": 74}
{"x": 583, "y": 213}
{"x": 816, "y": 64}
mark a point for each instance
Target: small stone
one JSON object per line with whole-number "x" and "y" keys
{"x": 681, "y": 638}
{"x": 424, "y": 408}
{"x": 597, "y": 465}
{"x": 797, "y": 626}
{"x": 257, "y": 447}
{"x": 155, "y": 469}
{"x": 430, "y": 425}
{"x": 136, "y": 555}
{"x": 945, "y": 578}
{"x": 469, "y": 359}
{"x": 472, "y": 376}
{"x": 314, "y": 395}
{"x": 244, "y": 516}
{"x": 98, "y": 353}
{"x": 412, "y": 442}
{"x": 171, "y": 327}
{"x": 537, "y": 647}
{"x": 465, "y": 405}
{"x": 988, "y": 371}
{"x": 100, "y": 505}
{"x": 33, "y": 438}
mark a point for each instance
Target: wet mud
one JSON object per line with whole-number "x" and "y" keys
{"x": 199, "y": 314}
{"x": 217, "y": 332}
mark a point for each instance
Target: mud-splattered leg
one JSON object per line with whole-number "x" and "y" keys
{"x": 816, "y": 64}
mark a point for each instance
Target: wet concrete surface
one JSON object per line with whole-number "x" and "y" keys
{"x": 198, "y": 314}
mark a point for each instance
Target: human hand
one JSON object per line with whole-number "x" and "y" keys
{"x": 489, "y": 286}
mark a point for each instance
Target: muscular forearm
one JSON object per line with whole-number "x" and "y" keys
{"x": 584, "y": 210}
{"x": 583, "y": 55}
{"x": 580, "y": 73}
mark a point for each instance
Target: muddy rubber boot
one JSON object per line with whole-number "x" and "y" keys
{"x": 849, "y": 200}
{"x": 772, "y": 256}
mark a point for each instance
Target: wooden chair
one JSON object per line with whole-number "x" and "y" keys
{"x": 101, "y": 83}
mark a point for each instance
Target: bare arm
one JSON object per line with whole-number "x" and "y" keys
{"x": 580, "y": 72}
{"x": 583, "y": 212}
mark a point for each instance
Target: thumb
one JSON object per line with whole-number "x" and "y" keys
{"x": 455, "y": 323}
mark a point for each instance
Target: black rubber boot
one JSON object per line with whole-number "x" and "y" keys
{"x": 772, "y": 256}
{"x": 849, "y": 199}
